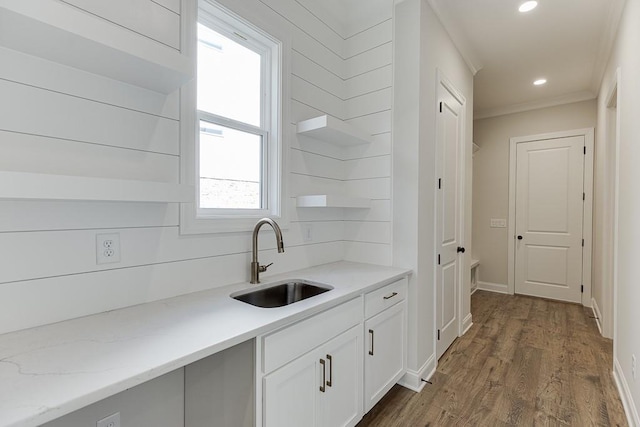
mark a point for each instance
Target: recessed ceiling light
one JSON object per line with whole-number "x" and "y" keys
{"x": 528, "y": 6}
{"x": 540, "y": 82}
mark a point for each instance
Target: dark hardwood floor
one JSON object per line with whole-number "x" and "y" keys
{"x": 525, "y": 362}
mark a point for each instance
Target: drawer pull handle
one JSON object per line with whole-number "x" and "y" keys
{"x": 324, "y": 375}
{"x": 371, "y": 351}
{"x": 391, "y": 296}
{"x": 330, "y": 359}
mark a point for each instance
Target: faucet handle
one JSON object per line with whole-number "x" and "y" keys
{"x": 263, "y": 268}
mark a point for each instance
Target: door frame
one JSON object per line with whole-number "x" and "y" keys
{"x": 446, "y": 84}
{"x": 613, "y": 101}
{"x": 587, "y": 213}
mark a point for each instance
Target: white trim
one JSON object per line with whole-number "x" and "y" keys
{"x": 413, "y": 379}
{"x": 587, "y": 214}
{"x": 596, "y": 314}
{"x": 458, "y": 37}
{"x": 534, "y": 105}
{"x": 494, "y": 287}
{"x": 587, "y": 218}
{"x": 615, "y": 89}
{"x": 190, "y": 223}
{"x": 606, "y": 42}
{"x": 625, "y": 395}
{"x": 467, "y": 323}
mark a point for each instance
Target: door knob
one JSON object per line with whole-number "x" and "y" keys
{"x": 460, "y": 249}
{"x": 519, "y": 237}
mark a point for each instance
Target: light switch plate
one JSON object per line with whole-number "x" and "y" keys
{"x": 498, "y": 223}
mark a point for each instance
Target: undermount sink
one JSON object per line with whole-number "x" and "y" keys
{"x": 281, "y": 293}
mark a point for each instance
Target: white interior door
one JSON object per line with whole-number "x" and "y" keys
{"x": 449, "y": 146}
{"x": 549, "y": 218}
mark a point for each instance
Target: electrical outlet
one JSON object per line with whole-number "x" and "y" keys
{"x": 110, "y": 421}
{"x": 633, "y": 366}
{"x": 107, "y": 248}
{"x": 307, "y": 232}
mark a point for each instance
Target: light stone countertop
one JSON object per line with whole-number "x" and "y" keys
{"x": 50, "y": 371}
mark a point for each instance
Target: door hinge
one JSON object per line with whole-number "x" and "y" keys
{"x": 585, "y": 150}
{"x": 583, "y": 243}
{"x": 439, "y": 183}
{"x": 582, "y": 289}
{"x": 441, "y": 107}
{"x": 583, "y": 196}
{"x": 438, "y": 334}
{"x": 438, "y": 259}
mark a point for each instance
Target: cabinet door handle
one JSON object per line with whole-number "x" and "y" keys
{"x": 330, "y": 359}
{"x": 371, "y": 333}
{"x": 324, "y": 375}
{"x": 390, "y": 296}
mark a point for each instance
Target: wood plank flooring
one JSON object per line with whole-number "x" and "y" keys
{"x": 525, "y": 362}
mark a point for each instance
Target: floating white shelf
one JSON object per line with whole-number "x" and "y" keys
{"x": 335, "y": 131}
{"x": 332, "y": 201}
{"x": 64, "y": 34}
{"x": 37, "y": 186}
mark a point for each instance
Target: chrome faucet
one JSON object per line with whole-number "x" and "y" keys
{"x": 256, "y": 268}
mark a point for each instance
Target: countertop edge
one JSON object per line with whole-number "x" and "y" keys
{"x": 46, "y": 414}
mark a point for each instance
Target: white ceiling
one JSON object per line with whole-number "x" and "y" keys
{"x": 565, "y": 41}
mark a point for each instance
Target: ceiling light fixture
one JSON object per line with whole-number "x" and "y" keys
{"x": 540, "y": 82}
{"x": 528, "y": 6}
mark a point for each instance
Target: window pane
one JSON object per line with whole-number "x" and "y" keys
{"x": 228, "y": 78}
{"x": 230, "y": 168}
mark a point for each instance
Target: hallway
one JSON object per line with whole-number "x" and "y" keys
{"x": 526, "y": 361}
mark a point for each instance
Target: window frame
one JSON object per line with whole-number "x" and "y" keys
{"x": 274, "y": 113}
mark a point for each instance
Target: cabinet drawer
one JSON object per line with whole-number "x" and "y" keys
{"x": 293, "y": 341}
{"x": 385, "y": 297}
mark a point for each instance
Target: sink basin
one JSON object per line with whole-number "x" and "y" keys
{"x": 282, "y": 293}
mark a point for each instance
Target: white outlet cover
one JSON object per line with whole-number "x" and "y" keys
{"x": 307, "y": 232}
{"x": 110, "y": 421}
{"x": 107, "y": 248}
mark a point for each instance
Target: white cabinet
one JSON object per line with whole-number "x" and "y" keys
{"x": 385, "y": 350}
{"x": 321, "y": 388}
{"x": 312, "y": 370}
{"x": 330, "y": 369}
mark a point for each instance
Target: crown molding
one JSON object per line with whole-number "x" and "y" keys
{"x": 606, "y": 43}
{"x": 458, "y": 36}
{"x": 534, "y": 105}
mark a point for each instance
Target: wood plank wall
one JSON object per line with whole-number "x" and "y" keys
{"x": 60, "y": 120}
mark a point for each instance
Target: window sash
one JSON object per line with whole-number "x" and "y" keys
{"x": 264, "y": 173}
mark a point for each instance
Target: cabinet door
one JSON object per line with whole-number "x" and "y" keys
{"x": 341, "y": 403}
{"x": 384, "y": 353}
{"x": 291, "y": 393}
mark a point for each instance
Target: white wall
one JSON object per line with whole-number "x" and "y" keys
{"x": 423, "y": 47}
{"x": 491, "y": 175}
{"x": 60, "y": 120}
{"x": 627, "y": 317}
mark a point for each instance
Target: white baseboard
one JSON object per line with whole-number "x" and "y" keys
{"x": 596, "y": 314}
{"x": 466, "y": 324}
{"x": 493, "y": 287}
{"x": 625, "y": 395}
{"x": 413, "y": 379}
{"x": 473, "y": 291}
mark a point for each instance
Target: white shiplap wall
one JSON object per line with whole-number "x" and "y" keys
{"x": 61, "y": 120}
{"x": 347, "y": 75}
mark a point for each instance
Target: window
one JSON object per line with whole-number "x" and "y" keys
{"x": 237, "y": 153}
